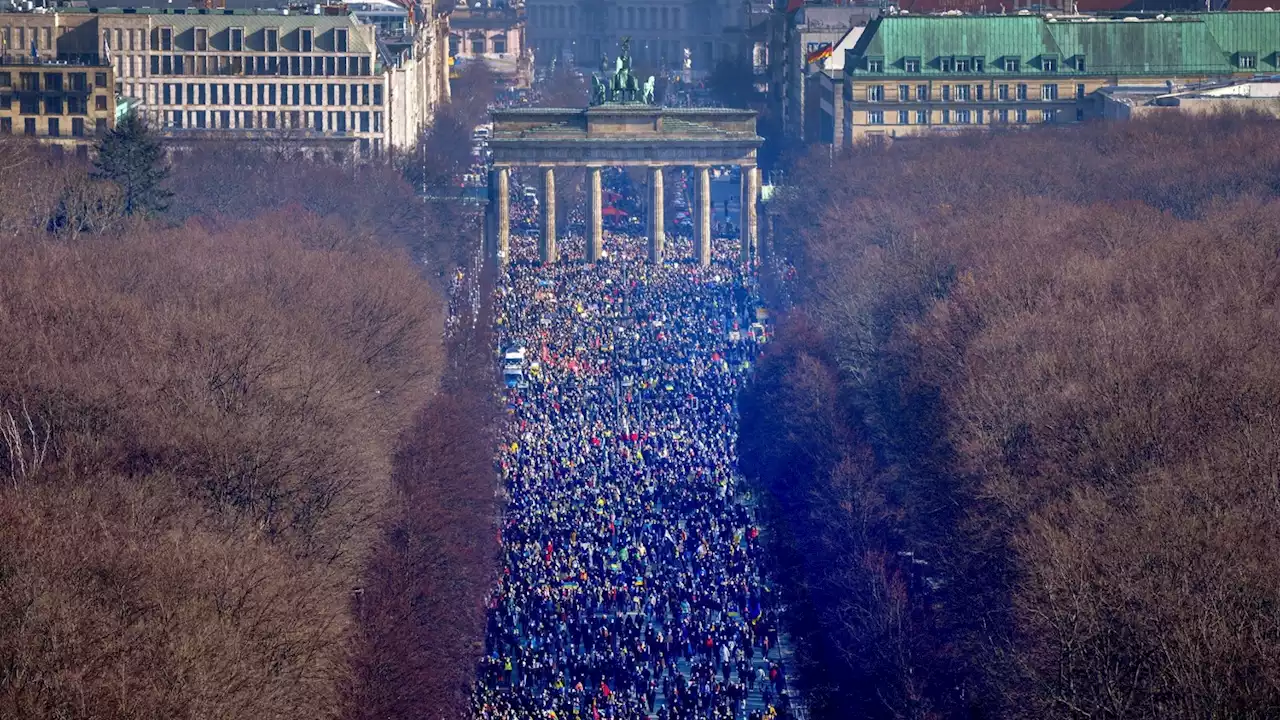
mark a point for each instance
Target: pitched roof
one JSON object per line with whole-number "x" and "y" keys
{"x": 1201, "y": 44}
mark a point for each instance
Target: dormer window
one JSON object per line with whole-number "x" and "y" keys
{"x": 1247, "y": 61}
{"x": 1080, "y": 64}
{"x": 911, "y": 65}
{"x": 1011, "y": 64}
{"x": 340, "y": 40}
{"x": 978, "y": 64}
{"x": 236, "y": 39}
{"x": 944, "y": 64}
{"x": 271, "y": 38}
{"x": 305, "y": 37}
{"x": 202, "y": 39}
{"x": 1048, "y": 64}
{"x": 875, "y": 65}
{"x": 962, "y": 65}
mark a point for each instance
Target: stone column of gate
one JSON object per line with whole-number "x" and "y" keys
{"x": 657, "y": 216}
{"x": 547, "y": 246}
{"x": 748, "y": 223}
{"x": 704, "y": 216}
{"x": 595, "y": 240}
{"x": 504, "y": 214}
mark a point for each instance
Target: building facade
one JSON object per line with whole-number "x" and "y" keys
{"x": 252, "y": 73}
{"x": 59, "y": 103}
{"x": 582, "y": 31}
{"x": 493, "y": 35}
{"x": 811, "y": 29}
{"x": 909, "y": 75}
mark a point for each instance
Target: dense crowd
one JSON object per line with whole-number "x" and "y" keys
{"x": 633, "y": 582}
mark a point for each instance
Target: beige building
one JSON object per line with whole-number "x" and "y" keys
{"x": 493, "y": 35}
{"x": 254, "y": 74}
{"x": 62, "y": 104}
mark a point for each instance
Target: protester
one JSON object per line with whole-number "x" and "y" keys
{"x": 633, "y": 583}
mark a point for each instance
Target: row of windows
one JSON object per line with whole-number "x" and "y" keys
{"x": 53, "y": 81}
{"x": 954, "y": 64}
{"x": 274, "y": 65}
{"x": 53, "y": 126}
{"x": 319, "y": 120}
{"x": 266, "y": 94}
{"x": 652, "y": 18}
{"x": 53, "y": 105}
{"x": 968, "y": 117}
{"x": 966, "y": 93}
{"x": 162, "y": 39}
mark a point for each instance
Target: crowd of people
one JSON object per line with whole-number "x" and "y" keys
{"x": 633, "y": 581}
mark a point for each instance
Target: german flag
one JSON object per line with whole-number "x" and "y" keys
{"x": 818, "y": 54}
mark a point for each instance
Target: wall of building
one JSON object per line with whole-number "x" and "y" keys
{"x": 65, "y": 105}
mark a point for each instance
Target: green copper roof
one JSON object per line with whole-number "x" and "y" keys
{"x": 1205, "y": 44}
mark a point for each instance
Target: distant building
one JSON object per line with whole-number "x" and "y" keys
{"x": 253, "y": 74}
{"x": 62, "y": 103}
{"x": 812, "y": 35}
{"x": 492, "y": 34}
{"x": 909, "y": 75}
{"x": 581, "y": 31}
{"x": 1126, "y": 103}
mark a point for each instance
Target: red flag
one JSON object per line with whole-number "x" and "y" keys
{"x": 794, "y": 5}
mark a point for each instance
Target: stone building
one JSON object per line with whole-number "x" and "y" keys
{"x": 582, "y": 31}
{"x": 914, "y": 74}
{"x": 60, "y": 103}
{"x": 492, "y": 34}
{"x": 204, "y": 73}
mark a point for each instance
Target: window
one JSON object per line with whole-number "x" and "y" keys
{"x": 904, "y": 93}
{"x": 100, "y": 125}
{"x": 29, "y": 106}
{"x": 30, "y": 81}
{"x": 1004, "y": 116}
{"x": 271, "y": 38}
{"x": 922, "y": 117}
{"x": 875, "y": 117}
{"x": 202, "y": 39}
{"x": 100, "y": 102}
{"x": 1011, "y": 65}
{"x": 1049, "y": 116}
{"x": 946, "y": 117}
{"x": 6, "y": 101}
{"x": 236, "y": 39}
{"x": 875, "y": 93}
{"x": 981, "y": 120}
{"x": 962, "y": 66}
{"x": 54, "y": 129}
{"x": 166, "y": 38}
{"x": 305, "y": 36}
{"x": 911, "y": 65}
{"x": 1022, "y": 91}
{"x": 978, "y": 89}
{"x": 922, "y": 93}
{"x": 875, "y": 66}
{"x": 29, "y": 126}
{"x": 1022, "y": 115}
{"x": 1079, "y": 114}
{"x": 53, "y": 106}
{"x": 904, "y": 117}
{"x": 1049, "y": 91}
{"x": 1247, "y": 61}
{"x": 75, "y": 106}
{"x": 978, "y": 64}
{"x": 79, "y": 82}
{"x": 963, "y": 117}
{"x": 53, "y": 82}
{"x": 340, "y": 39}
{"x": 1049, "y": 64}
{"x": 6, "y": 126}
{"x": 962, "y": 93}
{"x": 377, "y": 95}
{"x": 1080, "y": 91}
{"x": 946, "y": 93}
{"x": 944, "y": 64}
{"x": 1080, "y": 66}
{"x": 500, "y": 44}
{"x": 6, "y": 79}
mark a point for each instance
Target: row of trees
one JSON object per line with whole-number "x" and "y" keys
{"x": 1019, "y": 436}
{"x": 225, "y": 443}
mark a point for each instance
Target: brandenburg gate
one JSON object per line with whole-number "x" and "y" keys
{"x": 622, "y": 127}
